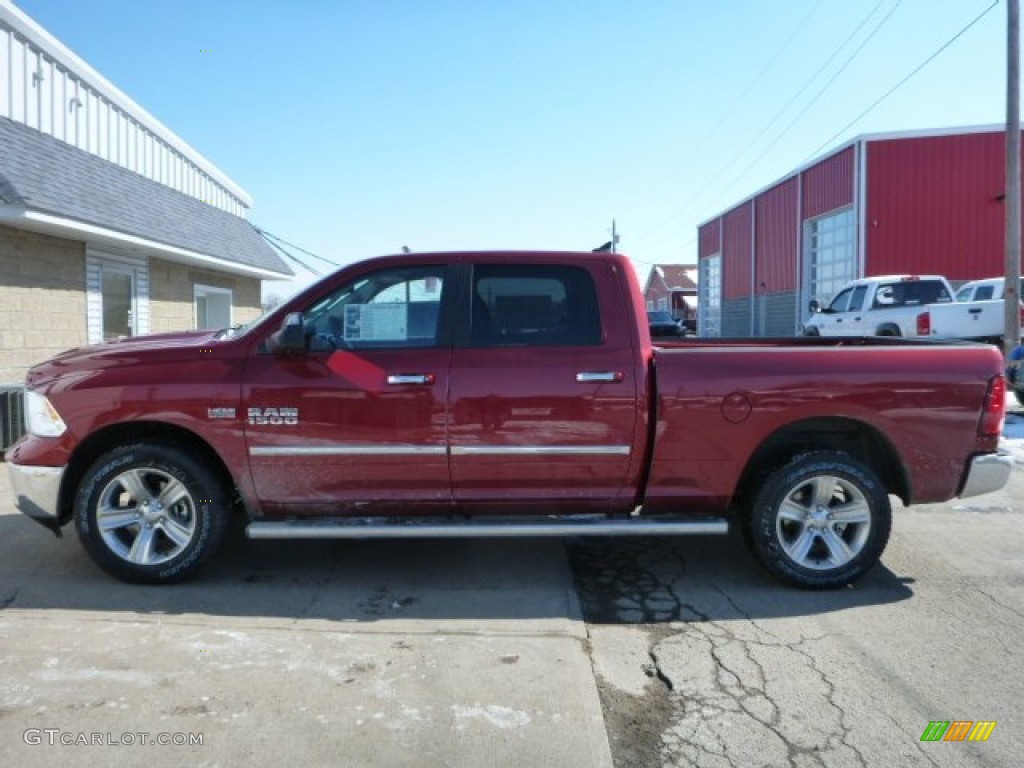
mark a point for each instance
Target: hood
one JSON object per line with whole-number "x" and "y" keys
{"x": 121, "y": 352}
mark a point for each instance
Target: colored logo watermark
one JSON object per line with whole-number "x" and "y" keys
{"x": 958, "y": 730}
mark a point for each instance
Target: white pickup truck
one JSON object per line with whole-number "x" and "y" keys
{"x": 911, "y": 306}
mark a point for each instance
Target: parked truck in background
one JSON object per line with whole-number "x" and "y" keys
{"x": 491, "y": 394}
{"x": 986, "y": 290}
{"x": 908, "y": 306}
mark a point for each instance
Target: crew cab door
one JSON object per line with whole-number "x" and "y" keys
{"x": 356, "y": 421}
{"x": 844, "y": 316}
{"x": 544, "y": 385}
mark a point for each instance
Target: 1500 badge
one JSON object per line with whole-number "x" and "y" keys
{"x": 273, "y": 416}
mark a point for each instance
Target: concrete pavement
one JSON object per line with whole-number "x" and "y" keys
{"x": 337, "y": 653}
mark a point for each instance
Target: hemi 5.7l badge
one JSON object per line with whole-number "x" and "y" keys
{"x": 274, "y": 416}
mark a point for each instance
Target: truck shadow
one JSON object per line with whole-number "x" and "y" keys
{"x": 658, "y": 580}
{"x": 617, "y": 581}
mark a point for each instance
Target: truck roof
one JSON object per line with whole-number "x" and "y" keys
{"x": 894, "y": 279}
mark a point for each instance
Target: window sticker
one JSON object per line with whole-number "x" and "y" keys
{"x": 376, "y": 322}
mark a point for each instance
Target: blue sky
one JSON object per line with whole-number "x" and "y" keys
{"x": 363, "y": 126}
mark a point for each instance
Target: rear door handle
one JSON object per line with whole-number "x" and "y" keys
{"x": 975, "y": 310}
{"x": 587, "y": 377}
{"x": 411, "y": 378}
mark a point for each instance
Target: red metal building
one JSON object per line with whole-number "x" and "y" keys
{"x": 925, "y": 202}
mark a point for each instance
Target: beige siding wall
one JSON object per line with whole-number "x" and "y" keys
{"x": 42, "y": 300}
{"x": 171, "y": 295}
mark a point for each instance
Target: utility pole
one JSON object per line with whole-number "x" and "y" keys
{"x": 615, "y": 239}
{"x": 1011, "y": 294}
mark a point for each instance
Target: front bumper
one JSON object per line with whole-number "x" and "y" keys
{"x": 36, "y": 492}
{"x": 987, "y": 473}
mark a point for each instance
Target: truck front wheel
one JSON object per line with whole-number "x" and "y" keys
{"x": 150, "y": 513}
{"x": 821, "y": 521}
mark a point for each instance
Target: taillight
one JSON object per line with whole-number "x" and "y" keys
{"x": 994, "y": 409}
{"x": 924, "y": 324}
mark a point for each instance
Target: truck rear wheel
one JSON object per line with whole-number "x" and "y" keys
{"x": 150, "y": 513}
{"x": 821, "y": 521}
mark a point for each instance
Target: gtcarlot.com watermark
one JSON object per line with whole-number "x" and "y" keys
{"x": 54, "y": 737}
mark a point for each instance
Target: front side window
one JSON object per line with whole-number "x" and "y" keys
{"x": 841, "y": 302}
{"x": 533, "y": 305}
{"x": 398, "y": 307}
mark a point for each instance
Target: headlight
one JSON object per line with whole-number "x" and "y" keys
{"x": 41, "y": 417}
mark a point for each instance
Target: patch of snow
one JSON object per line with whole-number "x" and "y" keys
{"x": 498, "y": 716}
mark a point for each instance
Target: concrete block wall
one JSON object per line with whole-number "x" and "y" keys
{"x": 42, "y": 300}
{"x": 171, "y": 295}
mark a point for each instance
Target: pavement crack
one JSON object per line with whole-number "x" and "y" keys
{"x": 1002, "y": 605}
{"x": 914, "y": 738}
{"x": 659, "y": 673}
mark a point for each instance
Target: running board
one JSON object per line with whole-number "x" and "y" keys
{"x": 406, "y": 528}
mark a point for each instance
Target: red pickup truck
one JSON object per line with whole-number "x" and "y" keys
{"x": 469, "y": 394}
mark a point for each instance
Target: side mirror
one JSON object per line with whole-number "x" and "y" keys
{"x": 291, "y": 337}
{"x": 813, "y": 306}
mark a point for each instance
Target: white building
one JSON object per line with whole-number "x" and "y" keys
{"x": 110, "y": 224}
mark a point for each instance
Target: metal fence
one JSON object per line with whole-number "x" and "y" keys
{"x": 12, "y": 416}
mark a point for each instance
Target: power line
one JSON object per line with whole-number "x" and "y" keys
{"x": 713, "y": 131}
{"x": 782, "y": 134}
{"x": 963, "y": 30}
{"x": 287, "y": 255}
{"x": 270, "y": 236}
{"x": 892, "y": 90}
{"x": 807, "y": 84}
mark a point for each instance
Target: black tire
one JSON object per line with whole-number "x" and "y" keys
{"x": 1019, "y": 394}
{"x": 150, "y": 514}
{"x": 890, "y": 331}
{"x": 817, "y": 551}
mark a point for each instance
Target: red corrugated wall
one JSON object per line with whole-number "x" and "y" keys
{"x": 736, "y": 242}
{"x": 776, "y": 225}
{"x": 934, "y": 206}
{"x": 708, "y": 239}
{"x": 829, "y": 184}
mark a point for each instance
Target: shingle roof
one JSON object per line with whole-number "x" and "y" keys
{"x": 45, "y": 174}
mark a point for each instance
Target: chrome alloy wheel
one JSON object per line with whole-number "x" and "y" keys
{"x": 146, "y": 516}
{"x": 823, "y": 522}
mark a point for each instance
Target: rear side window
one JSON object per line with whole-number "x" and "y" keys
{"x": 984, "y": 293}
{"x": 533, "y": 305}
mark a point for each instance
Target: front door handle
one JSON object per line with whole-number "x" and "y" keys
{"x": 411, "y": 378}
{"x": 587, "y": 377}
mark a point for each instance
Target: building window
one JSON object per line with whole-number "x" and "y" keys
{"x": 117, "y": 288}
{"x": 212, "y": 307}
{"x": 709, "y": 319}
{"x": 831, "y": 254}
